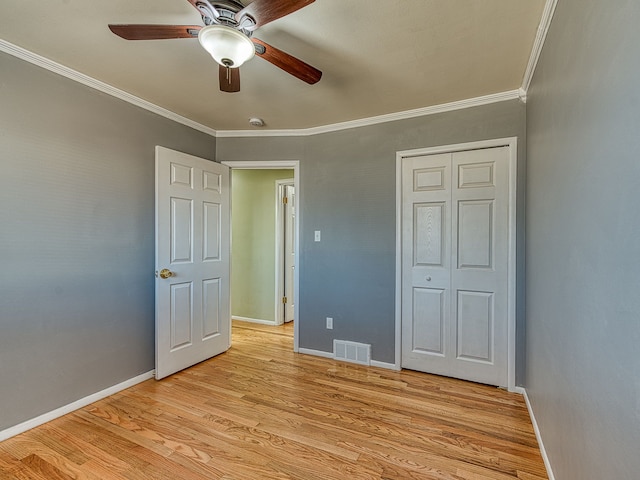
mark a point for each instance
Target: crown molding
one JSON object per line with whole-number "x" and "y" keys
{"x": 67, "y": 72}
{"x": 538, "y": 43}
{"x": 390, "y": 117}
{"x": 55, "y": 67}
{"x": 522, "y": 95}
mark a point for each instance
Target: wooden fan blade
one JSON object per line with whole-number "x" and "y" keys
{"x": 265, "y": 11}
{"x": 229, "y": 79}
{"x": 155, "y": 32}
{"x": 286, "y": 62}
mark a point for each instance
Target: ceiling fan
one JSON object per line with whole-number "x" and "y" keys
{"x": 228, "y": 36}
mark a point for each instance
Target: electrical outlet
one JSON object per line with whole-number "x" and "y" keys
{"x": 329, "y": 323}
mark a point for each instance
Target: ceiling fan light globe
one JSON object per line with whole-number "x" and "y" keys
{"x": 228, "y": 46}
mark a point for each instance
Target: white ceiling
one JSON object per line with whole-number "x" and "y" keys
{"x": 377, "y": 56}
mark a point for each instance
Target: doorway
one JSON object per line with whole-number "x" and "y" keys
{"x": 293, "y": 173}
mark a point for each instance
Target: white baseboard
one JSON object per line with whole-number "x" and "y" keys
{"x": 388, "y": 366}
{"x": 320, "y": 353}
{"x": 543, "y": 451}
{"x": 316, "y": 353}
{"x": 83, "y": 402}
{"x": 253, "y": 320}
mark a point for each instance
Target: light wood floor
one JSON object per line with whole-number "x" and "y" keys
{"x": 260, "y": 411}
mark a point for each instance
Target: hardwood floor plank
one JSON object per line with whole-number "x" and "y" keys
{"x": 10, "y": 467}
{"x": 23, "y": 474}
{"x": 261, "y": 411}
{"x": 42, "y": 461}
{"x": 43, "y": 467}
{"x": 529, "y": 476}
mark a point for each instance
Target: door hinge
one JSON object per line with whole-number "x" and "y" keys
{"x": 285, "y": 200}
{"x": 284, "y": 299}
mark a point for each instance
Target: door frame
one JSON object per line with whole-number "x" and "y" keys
{"x": 280, "y": 247}
{"x": 274, "y": 165}
{"x": 512, "y": 143}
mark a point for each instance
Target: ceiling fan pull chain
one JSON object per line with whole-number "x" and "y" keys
{"x": 228, "y": 75}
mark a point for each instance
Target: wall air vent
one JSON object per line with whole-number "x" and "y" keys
{"x": 352, "y": 352}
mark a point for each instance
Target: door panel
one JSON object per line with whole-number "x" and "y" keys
{"x": 181, "y": 175}
{"x": 428, "y": 179}
{"x": 428, "y": 232}
{"x": 455, "y": 264}
{"x": 193, "y": 321}
{"x": 212, "y": 231}
{"x": 429, "y": 320}
{"x": 474, "y": 175}
{"x": 181, "y": 315}
{"x": 475, "y": 234}
{"x": 181, "y": 230}
{"x": 212, "y": 181}
{"x": 212, "y": 295}
{"x": 474, "y": 326}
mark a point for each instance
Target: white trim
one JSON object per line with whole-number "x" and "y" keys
{"x": 522, "y": 95}
{"x": 458, "y": 147}
{"x": 317, "y": 353}
{"x": 388, "y": 366}
{"x": 538, "y": 43}
{"x": 512, "y": 277}
{"x": 512, "y": 143}
{"x": 295, "y": 166}
{"x": 329, "y": 355}
{"x": 536, "y": 429}
{"x": 91, "y": 82}
{"x": 390, "y": 117}
{"x": 253, "y": 320}
{"x": 262, "y": 165}
{"x": 398, "y": 327}
{"x": 83, "y": 402}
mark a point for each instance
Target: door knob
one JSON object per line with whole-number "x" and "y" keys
{"x": 166, "y": 273}
{"x": 428, "y": 279}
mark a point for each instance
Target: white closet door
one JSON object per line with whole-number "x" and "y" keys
{"x": 455, "y": 217}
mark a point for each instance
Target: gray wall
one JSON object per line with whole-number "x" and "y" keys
{"x": 76, "y": 238}
{"x": 583, "y": 241}
{"x": 348, "y": 192}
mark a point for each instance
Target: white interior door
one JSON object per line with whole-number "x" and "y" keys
{"x": 193, "y": 320}
{"x": 289, "y": 250}
{"x": 455, "y": 259}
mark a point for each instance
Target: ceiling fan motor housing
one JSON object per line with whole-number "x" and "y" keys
{"x": 223, "y": 12}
